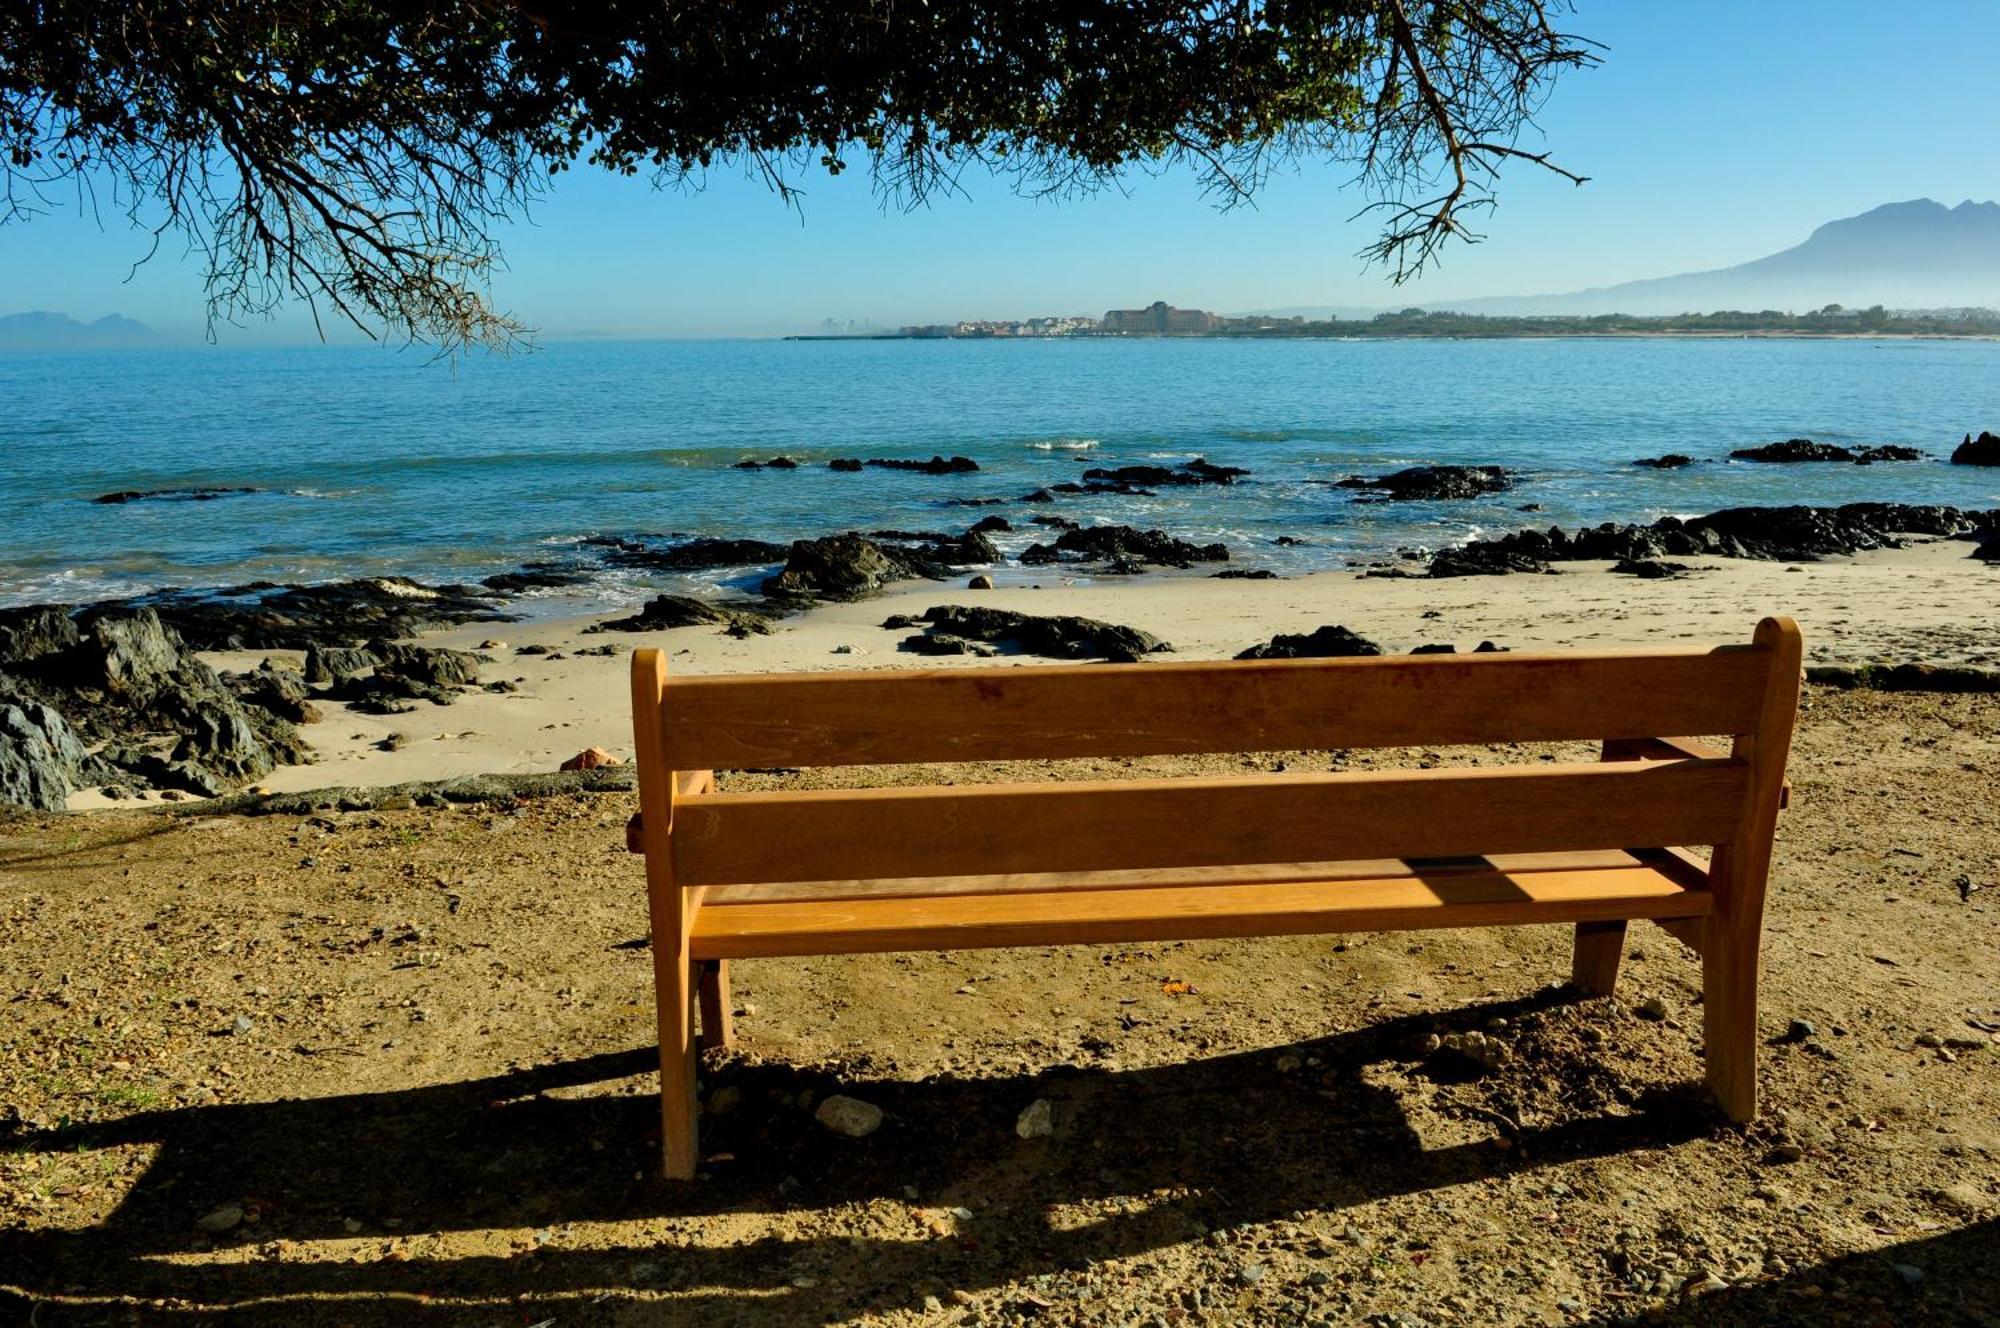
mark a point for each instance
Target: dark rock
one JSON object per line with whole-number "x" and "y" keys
{"x": 973, "y": 502}
{"x": 1905, "y": 677}
{"x": 1794, "y": 449}
{"x": 937, "y": 465}
{"x": 1322, "y": 643}
{"x": 842, "y": 567}
{"x": 1057, "y": 522}
{"x": 1434, "y": 649}
{"x": 666, "y": 611}
{"x": 1436, "y": 483}
{"x": 1245, "y": 574}
{"x": 331, "y": 664}
{"x": 1988, "y": 549}
{"x": 942, "y": 643}
{"x": 42, "y": 761}
{"x": 1649, "y": 569}
{"x": 1061, "y": 637}
{"x": 942, "y": 549}
{"x": 1291, "y": 542}
{"x": 1038, "y": 496}
{"x": 1197, "y": 471}
{"x": 1152, "y": 547}
{"x": 1805, "y": 449}
{"x": 265, "y": 616}
{"x": 1488, "y": 648}
{"x": 1981, "y": 451}
{"x": 1481, "y": 560}
{"x": 980, "y": 582}
{"x": 1671, "y": 461}
{"x": 986, "y": 524}
{"x": 206, "y": 493}
{"x": 432, "y": 665}
{"x": 845, "y": 464}
{"x": 775, "y": 463}
{"x": 280, "y": 691}
{"x": 694, "y": 555}
{"x": 533, "y": 578}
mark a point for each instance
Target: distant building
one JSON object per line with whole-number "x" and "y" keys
{"x": 1159, "y": 319}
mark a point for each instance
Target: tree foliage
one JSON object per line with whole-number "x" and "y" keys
{"x": 358, "y": 154}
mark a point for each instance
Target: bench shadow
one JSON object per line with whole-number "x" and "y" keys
{"x": 531, "y": 1159}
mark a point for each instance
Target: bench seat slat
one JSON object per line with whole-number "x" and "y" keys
{"x": 1049, "y": 712}
{"x": 1084, "y": 917}
{"x": 875, "y": 833}
{"x": 1272, "y": 873}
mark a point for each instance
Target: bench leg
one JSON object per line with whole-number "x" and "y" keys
{"x": 718, "y": 1029}
{"x": 673, "y": 975}
{"x": 1729, "y": 1019}
{"x": 1593, "y": 967}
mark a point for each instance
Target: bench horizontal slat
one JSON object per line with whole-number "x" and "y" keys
{"x": 843, "y": 834}
{"x": 1272, "y": 873}
{"x": 897, "y": 716}
{"x": 1084, "y": 917}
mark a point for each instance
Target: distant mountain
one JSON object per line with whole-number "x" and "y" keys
{"x": 1915, "y": 255}
{"x": 41, "y": 330}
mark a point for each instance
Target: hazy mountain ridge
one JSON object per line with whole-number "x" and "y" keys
{"x": 1918, "y": 254}
{"x": 42, "y": 329}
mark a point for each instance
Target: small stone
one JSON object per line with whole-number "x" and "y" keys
{"x": 1652, "y": 1008}
{"x": 350, "y": 1225}
{"x": 1910, "y": 1273}
{"x": 1705, "y": 1284}
{"x": 491, "y": 644}
{"x": 725, "y": 1100}
{"x": 226, "y": 1218}
{"x": 1785, "y": 1153}
{"x": 980, "y": 582}
{"x": 590, "y": 758}
{"x": 240, "y": 1025}
{"x": 849, "y": 1116}
{"x": 1037, "y": 1120}
{"x": 1801, "y": 1030}
{"x": 843, "y": 649}
{"x": 1929, "y": 1040}
{"x": 1250, "y": 1274}
{"x": 1288, "y": 1064}
{"x": 1570, "y": 1305}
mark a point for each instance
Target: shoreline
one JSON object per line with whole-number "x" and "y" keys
{"x": 1927, "y": 603}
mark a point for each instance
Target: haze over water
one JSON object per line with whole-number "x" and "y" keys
{"x": 378, "y": 463}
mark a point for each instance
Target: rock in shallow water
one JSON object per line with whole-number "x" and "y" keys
{"x": 1981, "y": 451}
{"x": 1435, "y": 483}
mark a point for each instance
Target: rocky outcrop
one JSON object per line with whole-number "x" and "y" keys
{"x": 1789, "y": 534}
{"x": 775, "y": 463}
{"x": 937, "y": 465}
{"x": 1905, "y": 677}
{"x": 1198, "y": 471}
{"x": 1435, "y": 483}
{"x": 203, "y": 494}
{"x": 1650, "y": 569}
{"x": 1153, "y": 548}
{"x": 1671, "y": 461}
{"x": 842, "y": 567}
{"x": 123, "y": 678}
{"x": 42, "y": 761}
{"x": 1321, "y": 643}
{"x": 687, "y": 555}
{"x": 1805, "y": 449}
{"x": 955, "y": 629}
{"x": 266, "y": 616}
{"x": 1981, "y": 451}
{"x": 667, "y": 611}
{"x": 535, "y": 576}
{"x": 937, "y": 548}
{"x": 281, "y": 691}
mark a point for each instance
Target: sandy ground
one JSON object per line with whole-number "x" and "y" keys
{"x": 1928, "y": 602}
{"x": 393, "y": 1068}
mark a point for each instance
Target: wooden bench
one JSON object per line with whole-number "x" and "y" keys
{"x": 1593, "y": 845}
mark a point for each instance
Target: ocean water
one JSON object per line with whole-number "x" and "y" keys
{"x": 377, "y": 462}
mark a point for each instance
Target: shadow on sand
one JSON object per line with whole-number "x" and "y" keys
{"x": 1185, "y": 1148}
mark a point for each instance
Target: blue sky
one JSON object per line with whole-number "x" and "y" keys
{"x": 1713, "y": 133}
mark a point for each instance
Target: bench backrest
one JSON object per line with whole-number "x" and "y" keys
{"x": 1748, "y": 692}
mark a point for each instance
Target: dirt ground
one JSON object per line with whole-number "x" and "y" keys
{"x": 392, "y": 1067}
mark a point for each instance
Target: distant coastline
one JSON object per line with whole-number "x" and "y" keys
{"x": 1161, "y": 320}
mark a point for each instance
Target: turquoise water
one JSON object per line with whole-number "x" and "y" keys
{"x": 379, "y": 462}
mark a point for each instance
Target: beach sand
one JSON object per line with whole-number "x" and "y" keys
{"x": 1927, "y": 603}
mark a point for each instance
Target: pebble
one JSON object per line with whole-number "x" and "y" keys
{"x": 1786, "y": 1152}
{"x": 350, "y": 1225}
{"x": 1250, "y": 1274}
{"x": 1652, "y": 1008}
{"x": 1929, "y": 1040}
{"x": 240, "y": 1025}
{"x": 849, "y": 1116}
{"x": 1037, "y": 1120}
{"x": 1570, "y": 1305}
{"x": 980, "y": 582}
{"x": 1800, "y": 1030}
{"x": 226, "y": 1218}
{"x": 1910, "y": 1273}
